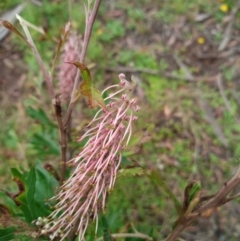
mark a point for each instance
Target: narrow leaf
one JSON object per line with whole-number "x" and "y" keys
{"x": 134, "y": 171}
{"x": 87, "y": 88}
{"x": 106, "y": 232}
{"x": 189, "y": 193}
{"x": 9, "y": 26}
{"x": 64, "y": 34}
{"x": 7, "y": 234}
{"x": 8, "y": 203}
{"x": 156, "y": 177}
{"x": 39, "y": 115}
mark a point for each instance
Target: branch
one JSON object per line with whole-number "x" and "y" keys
{"x": 228, "y": 31}
{"x": 211, "y": 119}
{"x": 47, "y": 77}
{"x": 222, "y": 194}
{"x": 63, "y": 137}
{"x": 164, "y": 74}
{"x": 216, "y": 201}
{"x": 87, "y": 35}
{"x": 222, "y": 93}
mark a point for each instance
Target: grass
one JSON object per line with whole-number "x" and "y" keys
{"x": 134, "y": 203}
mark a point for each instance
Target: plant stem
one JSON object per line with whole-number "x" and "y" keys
{"x": 64, "y": 124}
{"x": 87, "y": 35}
{"x": 63, "y": 137}
{"x": 47, "y": 76}
{"x": 213, "y": 203}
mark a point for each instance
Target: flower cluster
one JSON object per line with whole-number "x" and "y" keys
{"x": 84, "y": 194}
{"x": 68, "y": 72}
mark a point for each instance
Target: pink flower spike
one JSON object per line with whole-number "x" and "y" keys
{"x": 84, "y": 194}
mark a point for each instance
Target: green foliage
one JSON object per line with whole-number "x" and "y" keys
{"x": 106, "y": 231}
{"x": 40, "y": 116}
{"x": 88, "y": 89}
{"x": 112, "y": 30}
{"x": 135, "y": 171}
{"x": 38, "y": 187}
{"x": 9, "y": 203}
{"x": 44, "y": 140}
{"x": 134, "y": 200}
{"x": 157, "y": 179}
{"x": 7, "y": 234}
{"x": 29, "y": 203}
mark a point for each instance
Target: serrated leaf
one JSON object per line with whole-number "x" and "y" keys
{"x": 87, "y": 88}
{"x": 39, "y": 186}
{"x": 7, "y": 234}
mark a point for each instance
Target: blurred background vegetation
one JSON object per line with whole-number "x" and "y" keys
{"x": 189, "y": 92}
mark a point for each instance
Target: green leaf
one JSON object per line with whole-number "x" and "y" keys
{"x": 17, "y": 174}
{"x": 39, "y": 186}
{"x": 46, "y": 184}
{"x": 156, "y": 178}
{"x": 39, "y": 115}
{"x": 134, "y": 171}
{"x": 106, "y": 232}
{"x": 191, "y": 197}
{"x": 194, "y": 190}
{"x": 28, "y": 206}
{"x": 9, "y": 203}
{"x": 87, "y": 88}
{"x": 45, "y": 144}
{"x": 7, "y": 234}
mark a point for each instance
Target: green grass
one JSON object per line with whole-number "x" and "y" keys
{"x": 135, "y": 202}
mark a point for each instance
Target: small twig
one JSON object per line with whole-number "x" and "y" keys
{"x": 228, "y": 30}
{"x": 222, "y": 194}
{"x": 38, "y": 57}
{"x": 70, "y": 4}
{"x": 209, "y": 116}
{"x": 232, "y": 197}
{"x": 222, "y": 93}
{"x": 128, "y": 235}
{"x": 182, "y": 66}
{"x": 211, "y": 119}
{"x": 216, "y": 201}
{"x": 164, "y": 74}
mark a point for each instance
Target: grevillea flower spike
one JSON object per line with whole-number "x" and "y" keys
{"x": 84, "y": 194}
{"x": 68, "y": 72}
